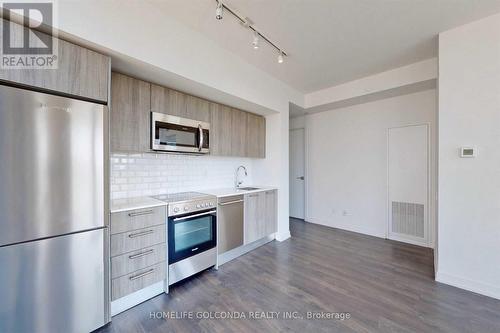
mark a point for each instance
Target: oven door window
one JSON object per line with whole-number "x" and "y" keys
{"x": 190, "y": 236}
{"x": 176, "y": 135}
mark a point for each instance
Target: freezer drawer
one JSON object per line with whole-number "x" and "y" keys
{"x": 53, "y": 285}
{"x": 52, "y": 173}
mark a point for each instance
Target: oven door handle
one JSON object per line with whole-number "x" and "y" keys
{"x": 200, "y": 141}
{"x": 195, "y": 215}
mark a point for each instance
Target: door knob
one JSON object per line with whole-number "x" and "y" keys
{"x": 301, "y": 177}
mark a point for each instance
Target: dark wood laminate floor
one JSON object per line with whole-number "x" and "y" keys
{"x": 386, "y": 286}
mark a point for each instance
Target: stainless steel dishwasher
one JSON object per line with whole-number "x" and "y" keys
{"x": 230, "y": 223}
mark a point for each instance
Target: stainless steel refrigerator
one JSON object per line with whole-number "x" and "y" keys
{"x": 53, "y": 226}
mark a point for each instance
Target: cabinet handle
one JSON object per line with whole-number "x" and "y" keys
{"x": 230, "y": 202}
{"x": 145, "y": 212}
{"x": 142, "y": 254}
{"x": 139, "y": 234}
{"x": 253, "y": 195}
{"x": 138, "y": 276}
{"x": 270, "y": 192}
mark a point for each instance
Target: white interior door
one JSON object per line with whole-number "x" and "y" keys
{"x": 408, "y": 173}
{"x": 297, "y": 162}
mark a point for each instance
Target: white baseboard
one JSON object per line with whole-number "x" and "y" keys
{"x": 129, "y": 301}
{"x": 359, "y": 231}
{"x": 283, "y": 236}
{"x": 467, "y": 284}
{"x": 409, "y": 240}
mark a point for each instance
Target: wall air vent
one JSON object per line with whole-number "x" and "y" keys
{"x": 408, "y": 219}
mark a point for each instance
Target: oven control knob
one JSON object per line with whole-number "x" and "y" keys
{"x": 186, "y": 208}
{"x": 206, "y": 204}
{"x": 198, "y": 206}
{"x": 176, "y": 209}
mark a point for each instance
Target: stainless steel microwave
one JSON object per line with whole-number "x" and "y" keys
{"x": 180, "y": 135}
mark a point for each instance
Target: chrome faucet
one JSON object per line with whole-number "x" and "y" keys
{"x": 237, "y": 182}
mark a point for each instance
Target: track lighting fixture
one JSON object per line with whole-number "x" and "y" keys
{"x": 247, "y": 23}
{"x": 280, "y": 58}
{"x": 255, "y": 42}
{"x": 219, "y": 10}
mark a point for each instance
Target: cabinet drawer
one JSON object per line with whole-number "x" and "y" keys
{"x": 137, "y": 219}
{"x": 135, "y": 260}
{"x": 137, "y": 239}
{"x": 137, "y": 280}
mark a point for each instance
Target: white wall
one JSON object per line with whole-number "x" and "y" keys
{"x": 347, "y": 160}
{"x": 403, "y": 76}
{"x": 469, "y": 189}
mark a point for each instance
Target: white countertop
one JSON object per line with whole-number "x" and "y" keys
{"x": 230, "y": 191}
{"x": 120, "y": 205}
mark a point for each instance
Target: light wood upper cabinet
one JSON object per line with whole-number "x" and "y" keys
{"x": 255, "y": 136}
{"x": 232, "y": 132}
{"x": 176, "y": 103}
{"x": 220, "y": 130}
{"x": 197, "y": 109}
{"x": 81, "y": 72}
{"x": 238, "y": 133}
{"x": 130, "y": 115}
{"x": 160, "y": 99}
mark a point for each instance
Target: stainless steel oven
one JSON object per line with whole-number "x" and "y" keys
{"x": 176, "y": 134}
{"x": 192, "y": 233}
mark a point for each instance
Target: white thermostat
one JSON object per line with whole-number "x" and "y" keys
{"x": 467, "y": 152}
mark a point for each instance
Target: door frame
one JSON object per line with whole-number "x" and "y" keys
{"x": 429, "y": 221}
{"x": 306, "y": 169}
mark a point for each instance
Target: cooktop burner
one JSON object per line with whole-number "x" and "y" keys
{"x": 187, "y": 202}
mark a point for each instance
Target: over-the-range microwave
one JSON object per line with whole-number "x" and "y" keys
{"x": 179, "y": 135}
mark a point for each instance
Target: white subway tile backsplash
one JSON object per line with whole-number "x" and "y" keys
{"x": 134, "y": 175}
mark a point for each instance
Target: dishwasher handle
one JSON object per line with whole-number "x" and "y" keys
{"x": 230, "y": 202}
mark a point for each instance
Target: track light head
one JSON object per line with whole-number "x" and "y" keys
{"x": 280, "y": 57}
{"x": 255, "y": 41}
{"x": 219, "y": 10}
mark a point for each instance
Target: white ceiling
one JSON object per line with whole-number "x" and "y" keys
{"x": 331, "y": 41}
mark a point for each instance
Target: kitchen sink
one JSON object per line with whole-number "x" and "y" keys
{"x": 247, "y": 188}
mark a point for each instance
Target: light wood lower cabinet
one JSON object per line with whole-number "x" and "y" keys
{"x": 138, "y": 249}
{"x": 271, "y": 212}
{"x": 260, "y": 215}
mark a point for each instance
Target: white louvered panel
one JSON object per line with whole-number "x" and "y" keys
{"x": 408, "y": 219}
